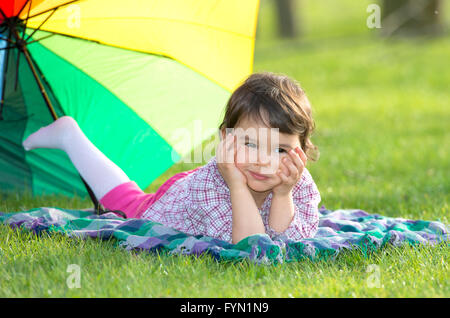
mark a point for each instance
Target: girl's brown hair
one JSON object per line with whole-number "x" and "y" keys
{"x": 277, "y": 101}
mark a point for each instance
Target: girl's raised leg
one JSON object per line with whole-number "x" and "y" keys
{"x": 97, "y": 170}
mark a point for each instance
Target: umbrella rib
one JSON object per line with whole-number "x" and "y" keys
{"x": 7, "y": 40}
{"x": 28, "y": 16}
{"x": 44, "y": 37}
{"x": 41, "y": 24}
{"x": 25, "y": 4}
{"x": 64, "y": 4}
{"x": 70, "y": 36}
{"x": 5, "y": 69}
{"x": 17, "y": 69}
{"x": 3, "y": 14}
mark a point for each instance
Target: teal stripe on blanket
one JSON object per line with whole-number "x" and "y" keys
{"x": 338, "y": 230}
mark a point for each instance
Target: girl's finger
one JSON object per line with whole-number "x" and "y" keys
{"x": 282, "y": 176}
{"x": 284, "y": 167}
{"x": 296, "y": 159}
{"x": 292, "y": 169}
{"x": 302, "y": 155}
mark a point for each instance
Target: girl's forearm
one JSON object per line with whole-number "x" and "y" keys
{"x": 281, "y": 212}
{"x": 246, "y": 218}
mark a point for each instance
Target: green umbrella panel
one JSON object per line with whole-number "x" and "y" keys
{"x": 129, "y": 104}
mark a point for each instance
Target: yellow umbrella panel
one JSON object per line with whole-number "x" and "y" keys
{"x": 214, "y": 38}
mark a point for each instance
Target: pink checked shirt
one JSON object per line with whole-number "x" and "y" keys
{"x": 200, "y": 203}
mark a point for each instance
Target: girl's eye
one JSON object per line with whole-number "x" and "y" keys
{"x": 280, "y": 150}
{"x": 249, "y": 144}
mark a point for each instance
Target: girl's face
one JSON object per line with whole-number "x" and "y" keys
{"x": 259, "y": 152}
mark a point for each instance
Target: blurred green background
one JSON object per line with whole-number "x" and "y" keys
{"x": 380, "y": 103}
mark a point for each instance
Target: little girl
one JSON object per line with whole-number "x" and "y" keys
{"x": 231, "y": 197}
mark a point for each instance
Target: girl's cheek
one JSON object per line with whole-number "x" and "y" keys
{"x": 240, "y": 165}
{"x": 277, "y": 164}
{"x": 241, "y": 157}
{"x": 276, "y": 161}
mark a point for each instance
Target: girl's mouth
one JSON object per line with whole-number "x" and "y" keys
{"x": 258, "y": 176}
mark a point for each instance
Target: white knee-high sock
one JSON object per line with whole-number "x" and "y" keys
{"x": 99, "y": 172}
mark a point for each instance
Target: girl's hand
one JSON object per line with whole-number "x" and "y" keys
{"x": 290, "y": 172}
{"x": 226, "y": 162}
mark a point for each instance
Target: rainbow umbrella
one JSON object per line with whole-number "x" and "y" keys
{"x": 134, "y": 74}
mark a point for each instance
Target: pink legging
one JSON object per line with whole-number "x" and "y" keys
{"x": 130, "y": 199}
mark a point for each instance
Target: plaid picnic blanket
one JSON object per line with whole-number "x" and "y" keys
{"x": 338, "y": 230}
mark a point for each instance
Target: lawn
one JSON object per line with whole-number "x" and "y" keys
{"x": 381, "y": 108}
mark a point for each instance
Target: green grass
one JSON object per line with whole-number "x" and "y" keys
{"x": 37, "y": 267}
{"x": 382, "y": 113}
